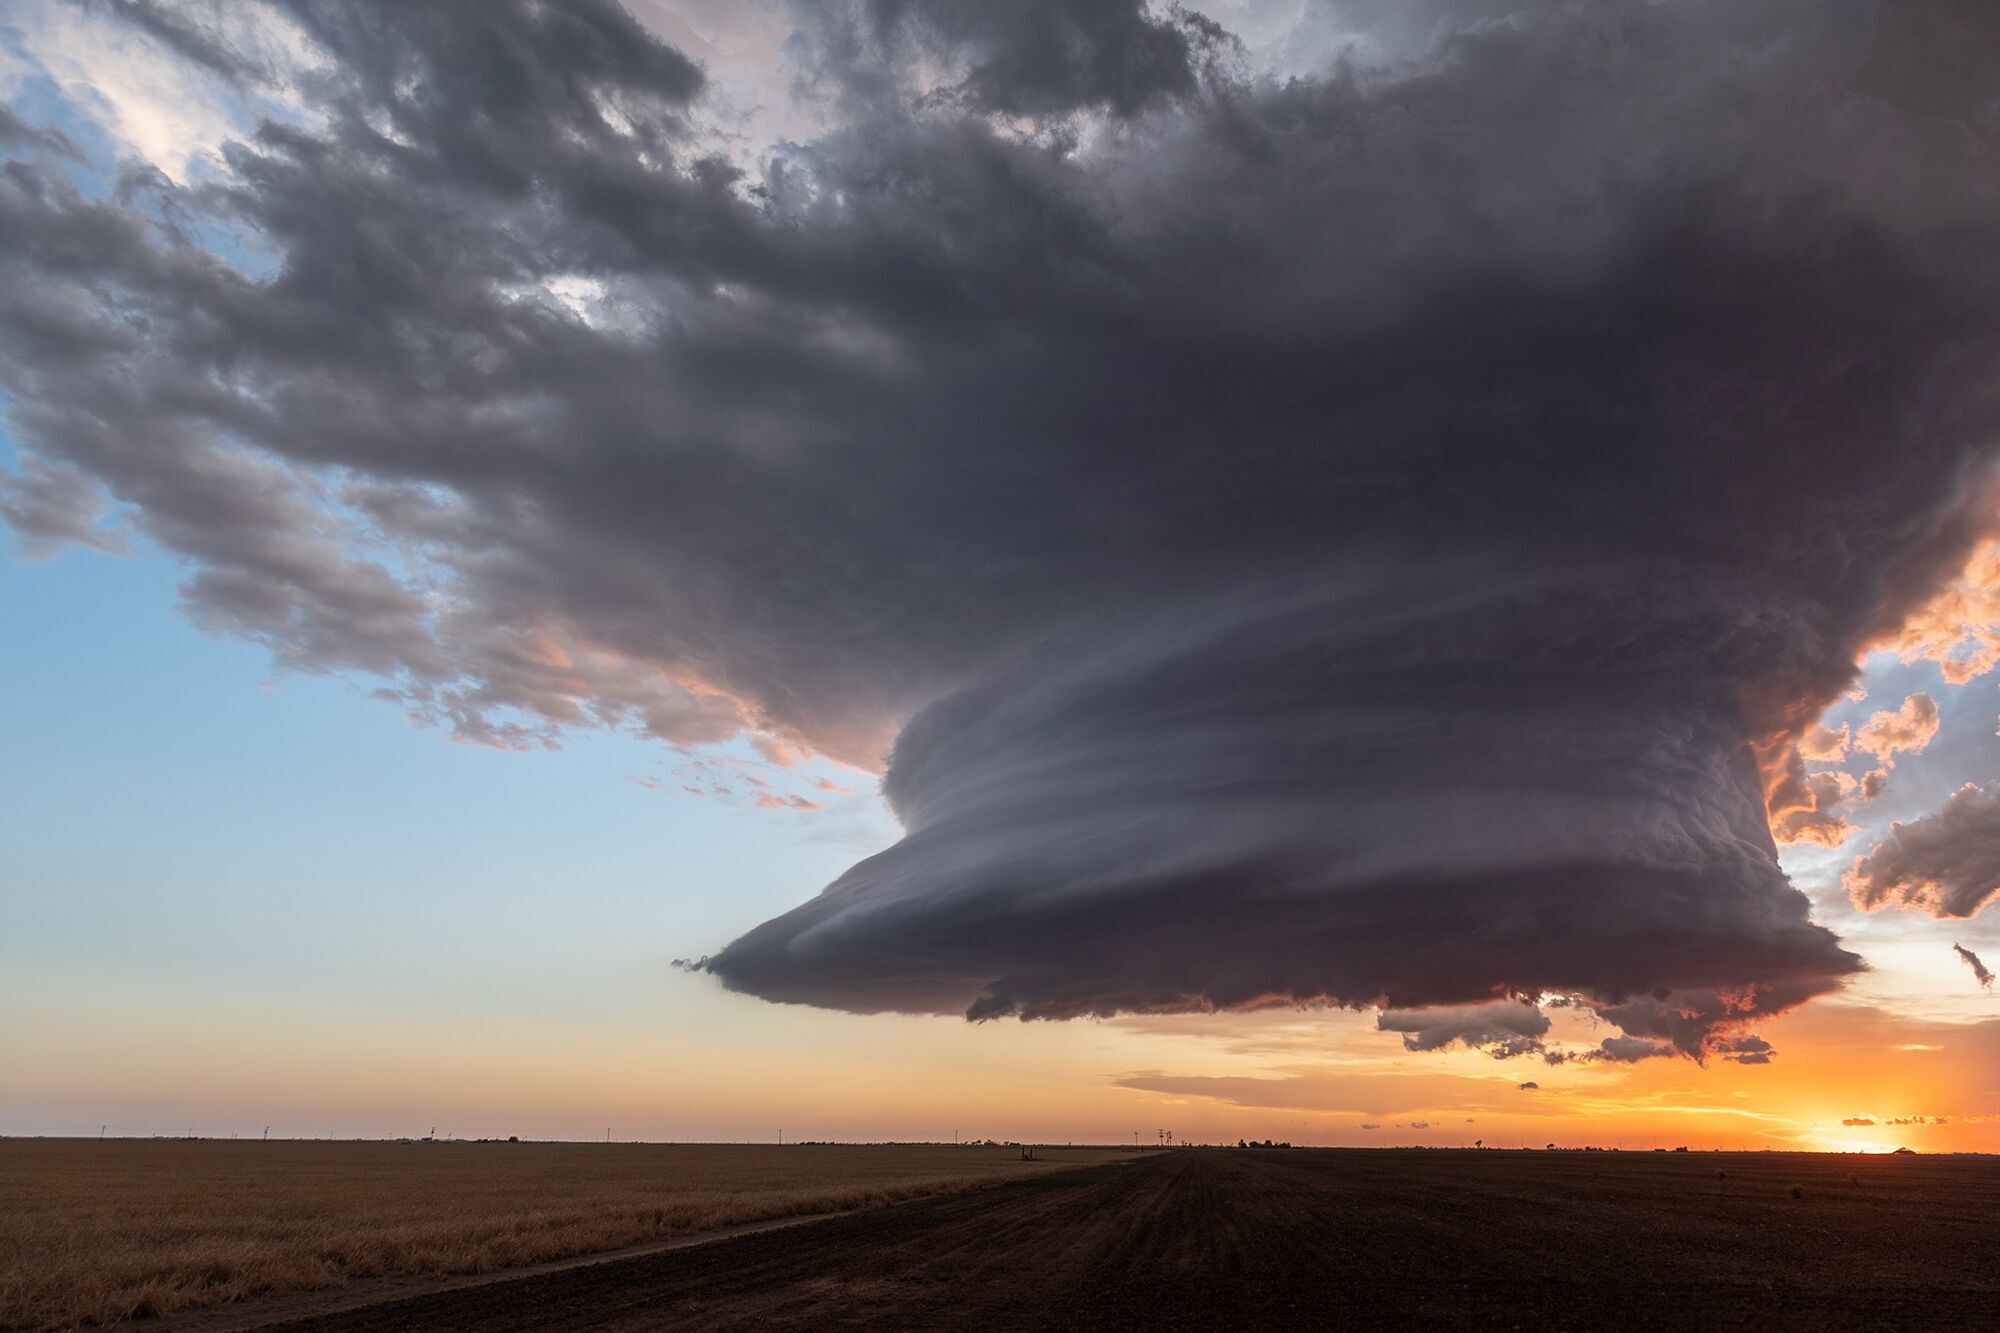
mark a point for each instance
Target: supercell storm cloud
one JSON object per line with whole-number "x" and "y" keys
{"x": 1371, "y": 536}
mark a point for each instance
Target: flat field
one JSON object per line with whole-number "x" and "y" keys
{"x": 100, "y": 1231}
{"x": 1217, "y": 1239}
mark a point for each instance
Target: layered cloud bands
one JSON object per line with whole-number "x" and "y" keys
{"x": 1376, "y": 537}
{"x": 1431, "y": 789}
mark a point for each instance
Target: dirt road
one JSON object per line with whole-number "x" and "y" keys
{"x": 1236, "y": 1239}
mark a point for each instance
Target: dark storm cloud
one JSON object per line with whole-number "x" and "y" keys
{"x": 1746, "y": 1050}
{"x": 183, "y": 34}
{"x": 1028, "y": 58}
{"x": 1344, "y": 541}
{"x": 1631, "y": 1050}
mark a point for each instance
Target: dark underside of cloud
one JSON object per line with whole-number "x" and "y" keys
{"x": 1346, "y": 540}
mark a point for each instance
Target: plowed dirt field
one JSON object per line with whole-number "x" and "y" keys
{"x": 1247, "y": 1239}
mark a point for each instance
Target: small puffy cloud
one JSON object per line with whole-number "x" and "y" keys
{"x": 1980, "y": 972}
{"x": 1857, "y": 1120}
{"x": 1806, "y": 808}
{"x": 1631, "y": 1050}
{"x": 1530, "y": 1086}
{"x": 1503, "y": 1029}
{"x": 1823, "y": 745}
{"x": 50, "y": 506}
{"x": 1699, "y": 1023}
{"x": 1367, "y": 1124}
{"x": 1946, "y": 864}
{"x": 1909, "y": 728}
{"x": 1749, "y": 1049}
{"x": 1692, "y": 1023}
{"x": 1873, "y": 783}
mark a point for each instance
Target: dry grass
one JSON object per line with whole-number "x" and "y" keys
{"x": 95, "y": 1232}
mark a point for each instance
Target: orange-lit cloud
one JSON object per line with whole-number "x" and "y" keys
{"x": 1825, "y": 746}
{"x": 1803, "y": 806}
{"x": 1959, "y": 627}
{"x": 1946, "y": 864}
{"x": 1908, "y": 728}
{"x": 773, "y": 801}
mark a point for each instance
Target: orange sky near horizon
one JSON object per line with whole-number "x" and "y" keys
{"x": 210, "y": 1063}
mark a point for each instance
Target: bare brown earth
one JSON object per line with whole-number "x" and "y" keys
{"x": 1350, "y": 1239}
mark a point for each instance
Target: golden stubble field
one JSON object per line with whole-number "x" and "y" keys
{"x": 98, "y": 1231}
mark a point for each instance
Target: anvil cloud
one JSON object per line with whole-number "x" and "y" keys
{"x": 1370, "y": 538}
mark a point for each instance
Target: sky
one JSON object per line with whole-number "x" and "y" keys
{"x": 1329, "y": 570}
